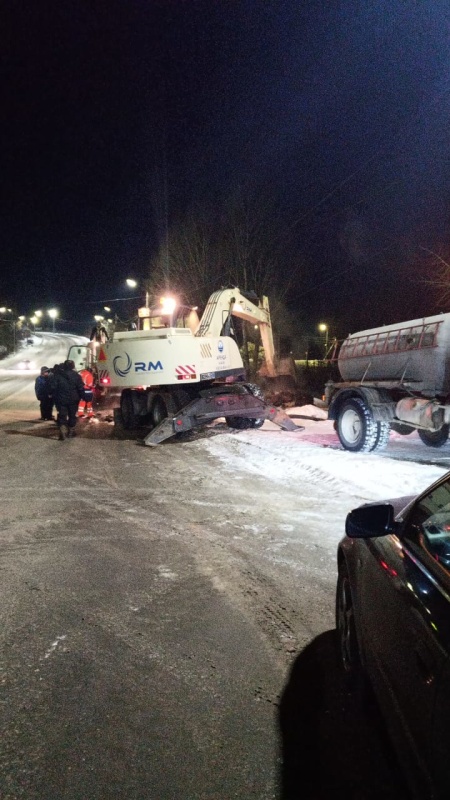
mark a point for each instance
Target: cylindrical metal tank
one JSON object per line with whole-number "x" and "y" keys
{"x": 413, "y": 352}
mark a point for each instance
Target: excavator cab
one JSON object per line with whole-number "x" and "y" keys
{"x": 168, "y": 315}
{"x": 81, "y": 355}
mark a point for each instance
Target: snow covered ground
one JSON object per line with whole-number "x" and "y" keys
{"x": 290, "y": 458}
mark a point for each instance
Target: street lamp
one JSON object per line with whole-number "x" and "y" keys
{"x": 133, "y": 284}
{"x": 324, "y": 329}
{"x": 53, "y": 313}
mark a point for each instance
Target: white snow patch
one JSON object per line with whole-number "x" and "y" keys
{"x": 55, "y": 644}
{"x": 314, "y": 465}
{"x": 167, "y": 573}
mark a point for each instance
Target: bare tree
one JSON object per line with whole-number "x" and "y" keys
{"x": 186, "y": 265}
{"x": 253, "y": 258}
{"x": 440, "y": 279}
{"x": 242, "y": 244}
{"x": 249, "y": 245}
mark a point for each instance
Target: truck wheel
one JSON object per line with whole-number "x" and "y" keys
{"x": 384, "y": 431}
{"x": 356, "y": 428}
{"x": 434, "y": 438}
{"x": 129, "y": 418}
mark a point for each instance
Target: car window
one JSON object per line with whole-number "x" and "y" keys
{"x": 430, "y": 520}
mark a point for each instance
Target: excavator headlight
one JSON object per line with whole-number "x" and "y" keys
{"x": 168, "y": 305}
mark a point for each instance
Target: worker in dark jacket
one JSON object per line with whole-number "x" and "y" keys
{"x": 67, "y": 390}
{"x": 43, "y": 393}
{"x": 99, "y": 333}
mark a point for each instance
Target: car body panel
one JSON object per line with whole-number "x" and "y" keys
{"x": 401, "y": 596}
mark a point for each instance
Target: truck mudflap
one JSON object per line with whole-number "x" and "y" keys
{"x": 209, "y": 407}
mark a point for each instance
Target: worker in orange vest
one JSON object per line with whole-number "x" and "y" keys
{"x": 85, "y": 406}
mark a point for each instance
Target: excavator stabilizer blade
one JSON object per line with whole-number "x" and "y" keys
{"x": 162, "y": 431}
{"x": 282, "y": 419}
{"x": 204, "y": 410}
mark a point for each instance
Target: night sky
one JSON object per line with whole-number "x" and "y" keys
{"x": 120, "y": 117}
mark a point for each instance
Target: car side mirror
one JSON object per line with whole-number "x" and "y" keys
{"x": 377, "y": 519}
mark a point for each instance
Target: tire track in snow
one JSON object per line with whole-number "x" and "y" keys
{"x": 333, "y": 472}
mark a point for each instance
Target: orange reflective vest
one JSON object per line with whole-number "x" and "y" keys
{"x": 87, "y": 378}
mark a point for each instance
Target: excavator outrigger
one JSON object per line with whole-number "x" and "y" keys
{"x": 178, "y": 372}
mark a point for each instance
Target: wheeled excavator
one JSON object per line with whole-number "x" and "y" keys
{"x": 178, "y": 372}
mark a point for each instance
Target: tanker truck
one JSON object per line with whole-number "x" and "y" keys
{"x": 396, "y": 377}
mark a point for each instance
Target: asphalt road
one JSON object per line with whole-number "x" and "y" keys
{"x": 144, "y": 654}
{"x": 148, "y": 649}
{"x": 126, "y": 672}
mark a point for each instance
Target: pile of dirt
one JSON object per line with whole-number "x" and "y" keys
{"x": 288, "y": 398}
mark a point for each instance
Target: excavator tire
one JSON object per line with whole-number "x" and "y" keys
{"x": 239, "y": 423}
{"x": 243, "y": 423}
{"x": 435, "y": 438}
{"x": 163, "y": 405}
{"x": 181, "y": 398}
{"x": 159, "y": 410}
{"x": 256, "y": 391}
{"x": 129, "y": 418}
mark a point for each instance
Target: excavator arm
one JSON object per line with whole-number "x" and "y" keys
{"x": 227, "y": 303}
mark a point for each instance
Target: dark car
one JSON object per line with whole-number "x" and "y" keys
{"x": 393, "y": 625}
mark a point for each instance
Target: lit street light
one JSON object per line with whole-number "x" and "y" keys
{"x": 324, "y": 328}
{"x": 53, "y": 313}
{"x": 133, "y": 284}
